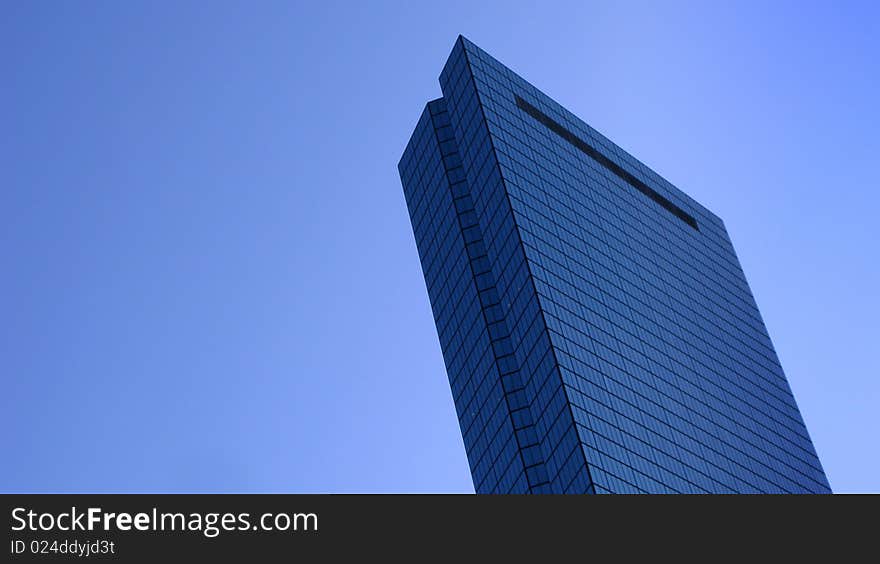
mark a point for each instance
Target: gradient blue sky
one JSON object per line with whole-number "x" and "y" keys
{"x": 209, "y": 277}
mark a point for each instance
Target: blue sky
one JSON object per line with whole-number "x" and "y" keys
{"x": 210, "y": 280}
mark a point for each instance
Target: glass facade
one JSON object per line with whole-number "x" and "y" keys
{"x": 597, "y": 329}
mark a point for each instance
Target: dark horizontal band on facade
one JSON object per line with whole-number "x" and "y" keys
{"x": 590, "y": 151}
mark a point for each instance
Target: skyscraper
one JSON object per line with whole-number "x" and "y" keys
{"x": 598, "y": 332}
